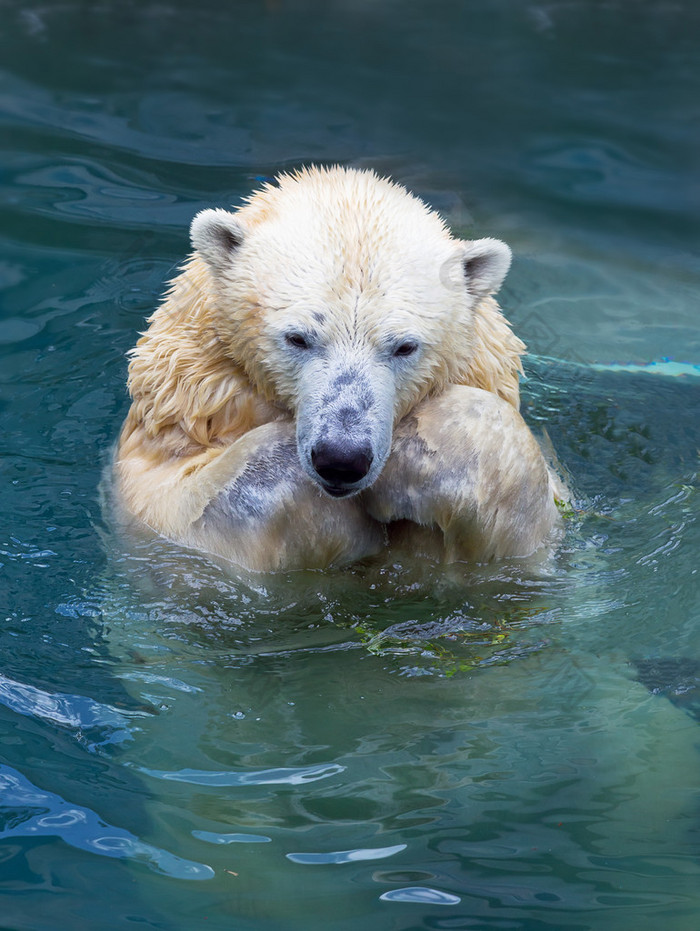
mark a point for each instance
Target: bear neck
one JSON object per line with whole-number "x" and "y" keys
{"x": 494, "y": 363}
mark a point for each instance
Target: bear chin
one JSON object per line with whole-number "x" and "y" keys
{"x": 335, "y": 492}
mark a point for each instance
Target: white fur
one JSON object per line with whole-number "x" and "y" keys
{"x": 315, "y": 347}
{"x": 354, "y": 271}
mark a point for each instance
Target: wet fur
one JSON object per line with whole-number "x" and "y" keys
{"x": 215, "y": 450}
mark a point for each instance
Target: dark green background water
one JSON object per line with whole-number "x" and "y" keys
{"x": 505, "y": 748}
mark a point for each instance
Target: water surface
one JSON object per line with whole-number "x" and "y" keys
{"x": 512, "y": 746}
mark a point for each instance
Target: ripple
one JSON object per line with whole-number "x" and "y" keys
{"x": 666, "y": 367}
{"x": 211, "y": 837}
{"x": 262, "y": 777}
{"x": 422, "y": 895}
{"x": 73, "y": 711}
{"x": 347, "y": 856}
{"x": 16, "y": 330}
{"x": 36, "y": 813}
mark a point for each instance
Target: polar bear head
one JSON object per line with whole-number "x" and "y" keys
{"x": 345, "y": 299}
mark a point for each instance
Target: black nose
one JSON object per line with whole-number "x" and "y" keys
{"x": 341, "y": 463}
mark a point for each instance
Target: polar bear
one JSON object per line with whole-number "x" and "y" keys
{"x": 329, "y": 377}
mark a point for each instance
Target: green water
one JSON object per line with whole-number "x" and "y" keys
{"x": 509, "y": 747}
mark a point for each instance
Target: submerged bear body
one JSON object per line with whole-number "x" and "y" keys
{"x": 329, "y": 369}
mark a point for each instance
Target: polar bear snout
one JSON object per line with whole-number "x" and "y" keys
{"x": 341, "y": 465}
{"x": 345, "y": 421}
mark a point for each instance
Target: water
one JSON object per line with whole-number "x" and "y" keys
{"x": 505, "y": 747}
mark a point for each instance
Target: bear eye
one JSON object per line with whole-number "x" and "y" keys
{"x": 406, "y": 348}
{"x": 298, "y": 340}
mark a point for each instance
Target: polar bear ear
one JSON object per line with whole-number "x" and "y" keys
{"x": 216, "y": 235}
{"x": 486, "y": 263}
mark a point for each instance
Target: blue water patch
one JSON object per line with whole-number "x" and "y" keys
{"x": 28, "y": 811}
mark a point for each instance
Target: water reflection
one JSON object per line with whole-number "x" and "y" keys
{"x": 38, "y": 813}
